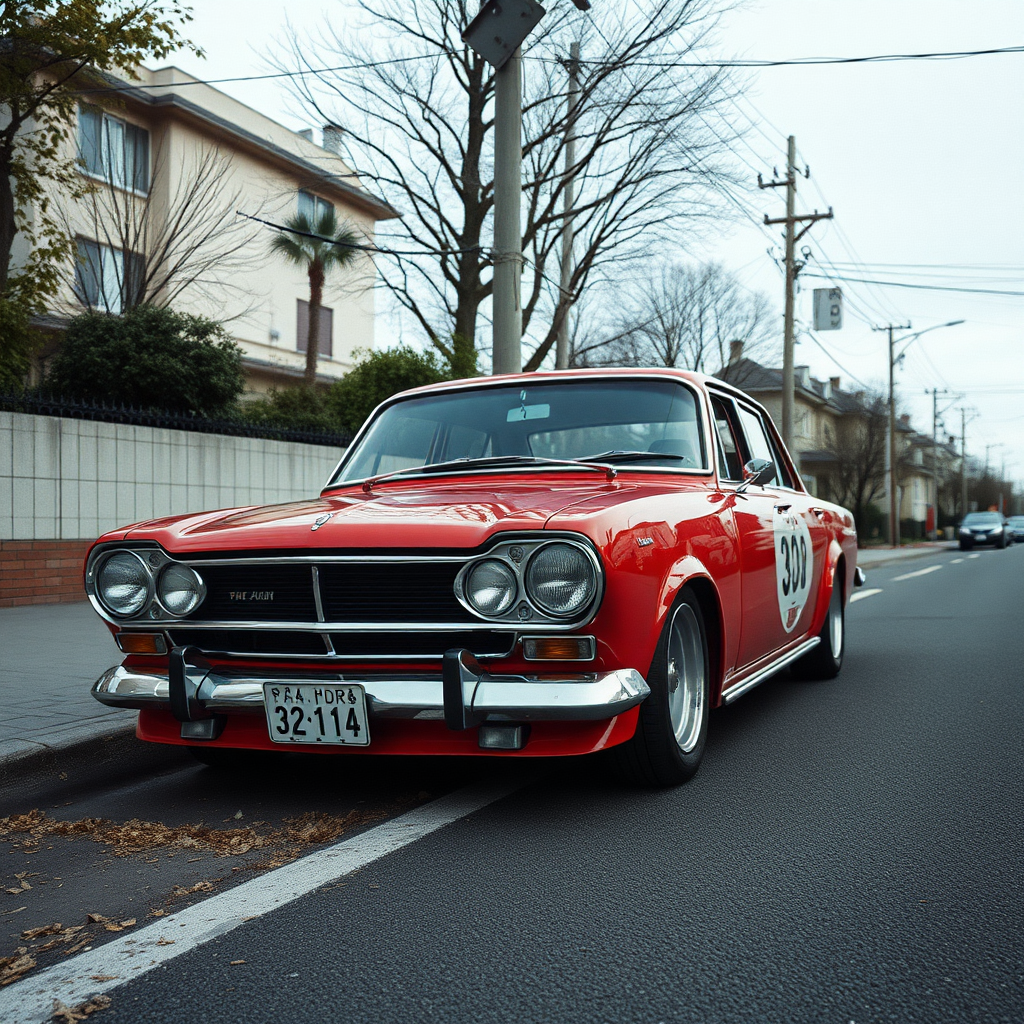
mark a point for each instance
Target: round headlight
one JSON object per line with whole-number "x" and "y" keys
{"x": 561, "y": 579}
{"x": 123, "y": 583}
{"x": 491, "y": 587}
{"x": 180, "y": 589}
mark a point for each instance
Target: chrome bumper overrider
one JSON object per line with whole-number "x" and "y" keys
{"x": 484, "y": 697}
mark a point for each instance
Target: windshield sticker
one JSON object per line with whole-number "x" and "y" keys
{"x": 794, "y": 565}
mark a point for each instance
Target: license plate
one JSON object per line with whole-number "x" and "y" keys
{"x": 332, "y": 713}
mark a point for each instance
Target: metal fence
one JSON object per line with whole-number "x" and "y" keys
{"x": 40, "y": 404}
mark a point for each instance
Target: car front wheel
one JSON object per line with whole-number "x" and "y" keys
{"x": 672, "y": 728}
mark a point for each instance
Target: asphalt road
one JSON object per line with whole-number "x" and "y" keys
{"x": 850, "y": 851}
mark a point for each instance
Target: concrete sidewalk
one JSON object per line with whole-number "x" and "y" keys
{"x": 50, "y": 655}
{"x": 868, "y": 558}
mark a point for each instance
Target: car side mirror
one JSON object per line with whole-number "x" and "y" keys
{"x": 756, "y": 471}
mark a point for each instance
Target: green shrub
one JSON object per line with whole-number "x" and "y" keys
{"x": 150, "y": 358}
{"x": 376, "y": 377}
{"x": 298, "y": 408}
{"x": 16, "y": 340}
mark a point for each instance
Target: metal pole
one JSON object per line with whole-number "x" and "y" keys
{"x": 507, "y": 354}
{"x": 787, "y": 339}
{"x": 894, "y": 523}
{"x": 963, "y": 463}
{"x": 568, "y": 202}
{"x": 935, "y": 460}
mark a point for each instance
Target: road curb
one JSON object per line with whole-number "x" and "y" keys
{"x": 110, "y": 751}
{"x": 904, "y": 556}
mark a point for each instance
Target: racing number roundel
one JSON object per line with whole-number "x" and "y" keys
{"x": 794, "y": 566}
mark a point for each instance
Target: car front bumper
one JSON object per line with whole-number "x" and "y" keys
{"x": 464, "y": 694}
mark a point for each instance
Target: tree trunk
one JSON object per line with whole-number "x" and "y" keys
{"x": 6, "y": 221}
{"x": 316, "y": 294}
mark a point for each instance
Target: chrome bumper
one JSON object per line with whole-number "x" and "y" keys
{"x": 484, "y": 697}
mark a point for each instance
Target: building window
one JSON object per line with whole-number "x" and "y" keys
{"x": 112, "y": 149}
{"x": 325, "y": 344}
{"x": 313, "y": 207}
{"x": 107, "y": 278}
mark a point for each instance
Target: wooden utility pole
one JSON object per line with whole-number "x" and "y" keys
{"x": 935, "y": 392}
{"x": 890, "y": 474}
{"x": 792, "y": 269}
{"x": 568, "y": 202}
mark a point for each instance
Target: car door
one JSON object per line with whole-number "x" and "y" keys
{"x": 798, "y": 537}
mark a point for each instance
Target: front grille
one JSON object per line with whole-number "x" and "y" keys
{"x": 487, "y": 643}
{"x": 397, "y": 592}
{"x": 257, "y": 593}
{"x": 252, "y": 641}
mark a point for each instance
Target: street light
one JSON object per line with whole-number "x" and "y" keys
{"x": 894, "y": 522}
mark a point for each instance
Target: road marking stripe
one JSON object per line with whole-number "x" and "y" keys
{"x": 974, "y": 556}
{"x": 129, "y": 957}
{"x": 955, "y": 561}
{"x": 860, "y": 594}
{"x": 920, "y": 572}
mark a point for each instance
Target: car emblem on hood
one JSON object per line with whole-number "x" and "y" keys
{"x": 320, "y": 520}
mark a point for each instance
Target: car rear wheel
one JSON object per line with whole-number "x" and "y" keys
{"x": 672, "y": 728}
{"x": 826, "y": 660}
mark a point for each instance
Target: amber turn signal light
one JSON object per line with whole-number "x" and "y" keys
{"x": 142, "y": 643}
{"x": 559, "y": 648}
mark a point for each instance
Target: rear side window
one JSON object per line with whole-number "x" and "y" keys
{"x": 730, "y": 460}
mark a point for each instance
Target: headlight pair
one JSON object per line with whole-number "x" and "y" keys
{"x": 125, "y": 584}
{"x": 559, "y": 579}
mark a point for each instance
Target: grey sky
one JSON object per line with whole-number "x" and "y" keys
{"x": 922, "y": 162}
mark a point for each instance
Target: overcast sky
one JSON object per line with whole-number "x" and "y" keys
{"x": 922, "y": 161}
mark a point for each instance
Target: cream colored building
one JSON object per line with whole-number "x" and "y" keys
{"x": 175, "y": 163}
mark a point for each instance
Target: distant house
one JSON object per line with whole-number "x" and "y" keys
{"x": 172, "y": 160}
{"x": 833, "y": 428}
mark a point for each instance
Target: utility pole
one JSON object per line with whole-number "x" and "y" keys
{"x": 568, "y": 203}
{"x": 894, "y": 523}
{"x": 508, "y": 240}
{"x": 963, "y": 461}
{"x": 792, "y": 269}
{"x": 935, "y": 392}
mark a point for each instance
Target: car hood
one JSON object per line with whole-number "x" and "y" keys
{"x": 435, "y": 514}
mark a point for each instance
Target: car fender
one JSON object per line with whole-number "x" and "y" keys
{"x": 833, "y": 553}
{"x": 685, "y": 571}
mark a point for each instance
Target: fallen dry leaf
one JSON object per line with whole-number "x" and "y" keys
{"x": 164, "y": 942}
{"x": 157, "y": 913}
{"x": 13, "y": 967}
{"x": 181, "y": 890}
{"x": 235, "y": 963}
{"x": 104, "y": 977}
{"x": 46, "y": 929}
{"x": 73, "y": 1014}
{"x": 96, "y": 919}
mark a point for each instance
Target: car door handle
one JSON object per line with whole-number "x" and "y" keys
{"x": 783, "y": 508}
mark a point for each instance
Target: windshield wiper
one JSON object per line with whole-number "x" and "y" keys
{"x": 634, "y": 456}
{"x": 490, "y": 462}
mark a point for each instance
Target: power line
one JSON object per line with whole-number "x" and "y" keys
{"x": 926, "y": 287}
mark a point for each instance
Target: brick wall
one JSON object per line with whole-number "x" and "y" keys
{"x": 41, "y": 571}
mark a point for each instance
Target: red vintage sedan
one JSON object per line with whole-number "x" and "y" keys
{"x": 522, "y": 566}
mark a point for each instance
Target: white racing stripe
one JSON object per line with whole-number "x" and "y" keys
{"x": 859, "y": 595}
{"x": 920, "y": 572}
{"x": 31, "y": 1000}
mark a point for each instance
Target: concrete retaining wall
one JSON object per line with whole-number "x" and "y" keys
{"x": 66, "y": 481}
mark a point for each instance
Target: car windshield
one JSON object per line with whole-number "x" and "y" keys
{"x": 566, "y": 420}
{"x": 982, "y": 519}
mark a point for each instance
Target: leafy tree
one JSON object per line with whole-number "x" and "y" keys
{"x": 377, "y": 377}
{"x": 316, "y": 256}
{"x": 50, "y": 49}
{"x": 149, "y": 358}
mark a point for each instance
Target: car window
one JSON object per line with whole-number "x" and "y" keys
{"x": 758, "y": 444}
{"x": 729, "y": 458}
{"x": 563, "y": 420}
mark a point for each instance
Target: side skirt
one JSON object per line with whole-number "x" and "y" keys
{"x": 738, "y": 689}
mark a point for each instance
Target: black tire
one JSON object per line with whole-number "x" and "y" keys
{"x": 1001, "y": 543}
{"x": 826, "y": 660}
{"x": 966, "y": 545}
{"x": 654, "y": 756}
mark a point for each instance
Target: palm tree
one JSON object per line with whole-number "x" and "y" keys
{"x": 331, "y": 246}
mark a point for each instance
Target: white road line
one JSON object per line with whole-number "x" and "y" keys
{"x": 974, "y": 556}
{"x": 859, "y": 595}
{"x": 31, "y": 1000}
{"x": 920, "y": 572}
{"x": 955, "y": 561}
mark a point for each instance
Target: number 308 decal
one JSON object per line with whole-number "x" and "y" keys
{"x": 794, "y": 566}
